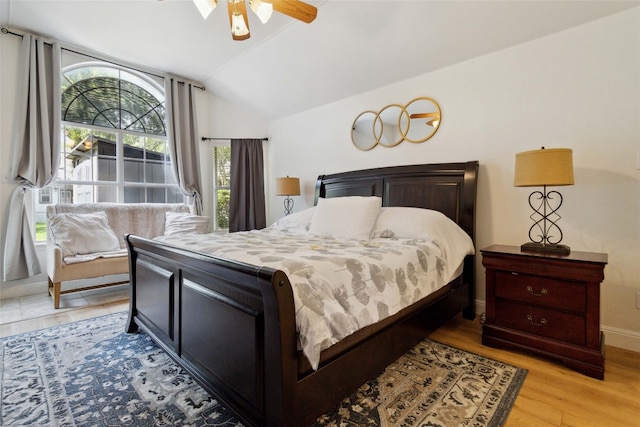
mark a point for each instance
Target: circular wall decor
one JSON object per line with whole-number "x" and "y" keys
{"x": 417, "y": 121}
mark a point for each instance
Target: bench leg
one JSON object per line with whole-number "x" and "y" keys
{"x": 54, "y": 291}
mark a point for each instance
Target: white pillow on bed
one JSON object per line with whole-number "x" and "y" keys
{"x": 178, "y": 223}
{"x": 298, "y": 222}
{"x": 350, "y": 217}
{"x": 417, "y": 223}
{"x": 82, "y": 233}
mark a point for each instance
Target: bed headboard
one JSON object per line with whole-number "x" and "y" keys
{"x": 447, "y": 187}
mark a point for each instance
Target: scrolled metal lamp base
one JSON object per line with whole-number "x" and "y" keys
{"x": 288, "y": 205}
{"x": 542, "y": 221}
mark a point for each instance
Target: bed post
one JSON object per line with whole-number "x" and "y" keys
{"x": 280, "y": 373}
{"x": 469, "y": 212}
{"x": 318, "y": 189}
{"x": 131, "y": 326}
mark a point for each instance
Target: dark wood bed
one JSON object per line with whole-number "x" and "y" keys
{"x": 231, "y": 325}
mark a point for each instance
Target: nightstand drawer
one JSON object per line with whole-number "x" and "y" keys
{"x": 541, "y": 291}
{"x": 542, "y": 322}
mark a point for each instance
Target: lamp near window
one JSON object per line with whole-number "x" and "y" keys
{"x": 545, "y": 167}
{"x": 288, "y": 187}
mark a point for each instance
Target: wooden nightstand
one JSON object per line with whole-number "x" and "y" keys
{"x": 547, "y": 304}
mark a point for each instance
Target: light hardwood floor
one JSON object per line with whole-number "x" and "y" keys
{"x": 552, "y": 395}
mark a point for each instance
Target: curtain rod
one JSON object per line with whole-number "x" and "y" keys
{"x": 7, "y": 31}
{"x": 204, "y": 138}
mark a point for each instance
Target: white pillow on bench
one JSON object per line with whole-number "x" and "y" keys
{"x": 79, "y": 234}
{"x": 178, "y": 223}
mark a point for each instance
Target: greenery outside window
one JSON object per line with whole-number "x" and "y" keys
{"x": 221, "y": 186}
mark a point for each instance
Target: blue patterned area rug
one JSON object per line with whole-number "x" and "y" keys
{"x": 91, "y": 373}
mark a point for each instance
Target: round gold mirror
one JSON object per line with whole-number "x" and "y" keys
{"x": 424, "y": 119}
{"x": 365, "y": 130}
{"x": 395, "y": 122}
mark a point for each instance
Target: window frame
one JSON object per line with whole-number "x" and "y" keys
{"x": 119, "y": 183}
{"x": 62, "y": 183}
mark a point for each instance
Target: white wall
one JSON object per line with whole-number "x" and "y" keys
{"x": 578, "y": 89}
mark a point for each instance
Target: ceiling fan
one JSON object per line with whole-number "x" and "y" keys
{"x": 262, "y": 8}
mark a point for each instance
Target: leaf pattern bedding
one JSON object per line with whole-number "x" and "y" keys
{"x": 339, "y": 285}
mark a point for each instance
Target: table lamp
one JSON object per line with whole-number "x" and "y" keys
{"x": 545, "y": 167}
{"x": 288, "y": 187}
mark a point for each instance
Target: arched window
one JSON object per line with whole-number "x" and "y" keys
{"x": 114, "y": 145}
{"x": 112, "y": 98}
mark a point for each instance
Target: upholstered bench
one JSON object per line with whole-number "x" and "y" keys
{"x": 87, "y": 240}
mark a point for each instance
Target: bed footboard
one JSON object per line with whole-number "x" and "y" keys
{"x": 190, "y": 304}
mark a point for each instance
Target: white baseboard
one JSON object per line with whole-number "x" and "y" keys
{"x": 623, "y": 338}
{"x": 481, "y": 307}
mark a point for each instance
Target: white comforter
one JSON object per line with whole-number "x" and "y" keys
{"x": 339, "y": 286}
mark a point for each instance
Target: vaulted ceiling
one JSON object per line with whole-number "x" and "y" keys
{"x": 288, "y": 66}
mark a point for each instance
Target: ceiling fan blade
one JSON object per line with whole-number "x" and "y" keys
{"x": 238, "y": 19}
{"x": 296, "y": 9}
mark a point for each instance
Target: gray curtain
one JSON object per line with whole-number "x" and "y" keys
{"x": 247, "y": 202}
{"x": 36, "y": 142}
{"x": 182, "y": 136}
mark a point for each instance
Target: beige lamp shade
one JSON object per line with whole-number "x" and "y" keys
{"x": 547, "y": 166}
{"x": 287, "y": 186}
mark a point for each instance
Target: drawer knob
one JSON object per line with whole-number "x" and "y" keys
{"x": 543, "y": 321}
{"x": 542, "y": 293}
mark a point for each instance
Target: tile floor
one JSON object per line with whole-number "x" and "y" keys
{"x": 40, "y": 305}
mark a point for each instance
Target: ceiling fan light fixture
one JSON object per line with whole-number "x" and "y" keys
{"x": 205, "y": 7}
{"x": 238, "y": 26}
